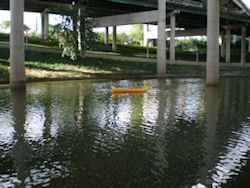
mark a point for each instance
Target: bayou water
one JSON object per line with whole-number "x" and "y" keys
{"x": 78, "y": 134}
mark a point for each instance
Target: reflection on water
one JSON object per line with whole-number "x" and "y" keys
{"x": 179, "y": 134}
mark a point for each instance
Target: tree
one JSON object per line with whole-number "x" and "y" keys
{"x": 26, "y": 28}
{"x": 75, "y": 21}
{"x": 123, "y": 38}
{"x": 6, "y": 25}
{"x": 136, "y": 33}
{"x": 54, "y": 30}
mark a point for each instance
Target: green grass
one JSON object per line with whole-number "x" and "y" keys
{"x": 140, "y": 51}
{"x": 4, "y": 72}
{"x": 35, "y": 45}
{"x": 31, "y": 40}
{"x": 44, "y": 66}
{"x": 40, "y": 65}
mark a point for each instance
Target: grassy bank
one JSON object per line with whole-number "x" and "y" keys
{"x": 43, "y": 65}
{"x": 181, "y": 54}
{"x": 132, "y": 50}
{"x": 46, "y": 66}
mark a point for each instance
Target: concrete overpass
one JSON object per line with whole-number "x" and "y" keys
{"x": 189, "y": 14}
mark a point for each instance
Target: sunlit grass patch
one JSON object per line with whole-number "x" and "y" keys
{"x": 44, "y": 74}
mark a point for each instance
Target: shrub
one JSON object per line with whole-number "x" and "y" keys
{"x": 32, "y": 40}
{"x": 4, "y": 37}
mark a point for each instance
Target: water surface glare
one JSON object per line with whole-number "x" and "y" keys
{"x": 78, "y": 134}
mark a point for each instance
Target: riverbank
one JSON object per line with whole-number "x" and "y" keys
{"x": 48, "y": 66}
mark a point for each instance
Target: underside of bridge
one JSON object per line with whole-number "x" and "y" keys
{"x": 232, "y": 18}
{"x": 192, "y": 15}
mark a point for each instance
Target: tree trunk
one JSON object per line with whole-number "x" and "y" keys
{"x": 82, "y": 34}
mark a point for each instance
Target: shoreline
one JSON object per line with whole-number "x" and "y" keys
{"x": 122, "y": 77}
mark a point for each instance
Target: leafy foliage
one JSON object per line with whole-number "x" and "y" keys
{"x": 74, "y": 20}
{"x": 136, "y": 33}
{"x": 6, "y": 25}
{"x": 54, "y": 30}
{"x": 191, "y": 44}
{"x": 121, "y": 38}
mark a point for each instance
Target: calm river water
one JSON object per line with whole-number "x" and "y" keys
{"x": 79, "y": 134}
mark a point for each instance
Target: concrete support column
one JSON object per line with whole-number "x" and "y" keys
{"x": 17, "y": 68}
{"x": 114, "y": 45}
{"x": 161, "y": 41}
{"x": 243, "y": 47}
{"x": 45, "y": 24}
{"x": 228, "y": 45}
{"x": 213, "y": 19}
{"x": 147, "y": 49}
{"x": 223, "y": 46}
{"x": 248, "y": 45}
{"x": 172, "y": 38}
{"x": 106, "y": 35}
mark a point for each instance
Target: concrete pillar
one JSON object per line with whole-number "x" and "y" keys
{"x": 45, "y": 24}
{"x": 172, "y": 38}
{"x": 243, "y": 47}
{"x": 106, "y": 35}
{"x": 248, "y": 45}
{"x": 114, "y": 45}
{"x": 17, "y": 68}
{"x": 147, "y": 49}
{"x": 213, "y": 30}
{"x": 161, "y": 41}
{"x": 228, "y": 45}
{"x": 223, "y": 46}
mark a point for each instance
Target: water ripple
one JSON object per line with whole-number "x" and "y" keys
{"x": 79, "y": 134}
{"x": 235, "y": 158}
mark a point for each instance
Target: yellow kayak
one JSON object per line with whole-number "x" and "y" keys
{"x": 129, "y": 90}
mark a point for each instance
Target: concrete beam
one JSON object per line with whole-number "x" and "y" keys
{"x": 186, "y": 3}
{"x": 17, "y": 68}
{"x": 235, "y": 26}
{"x": 213, "y": 30}
{"x": 242, "y": 6}
{"x": 186, "y": 33}
{"x": 47, "y": 3}
{"x": 190, "y": 32}
{"x": 151, "y": 4}
{"x": 130, "y": 18}
{"x": 125, "y": 19}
